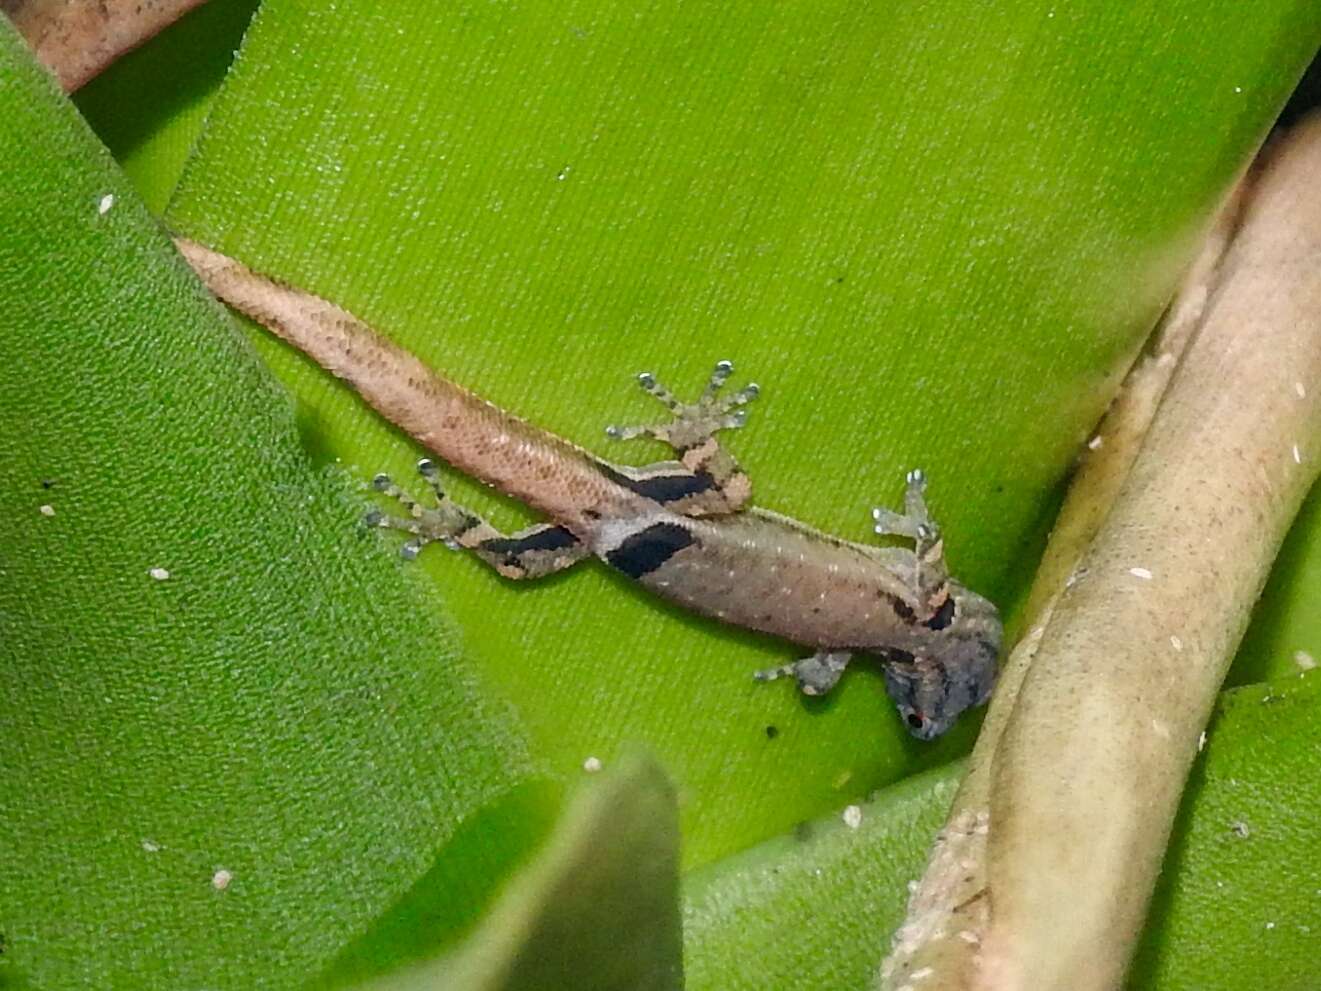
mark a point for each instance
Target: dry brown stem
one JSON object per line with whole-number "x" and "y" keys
{"x": 1041, "y": 877}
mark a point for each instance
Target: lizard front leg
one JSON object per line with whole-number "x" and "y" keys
{"x": 692, "y": 434}
{"x": 930, "y": 574}
{"x": 535, "y": 552}
{"x": 816, "y": 675}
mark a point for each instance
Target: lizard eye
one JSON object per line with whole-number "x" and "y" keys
{"x": 916, "y": 720}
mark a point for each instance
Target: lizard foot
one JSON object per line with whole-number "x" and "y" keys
{"x": 915, "y": 521}
{"x": 697, "y": 422}
{"x": 930, "y": 574}
{"x": 445, "y": 523}
{"x": 816, "y": 675}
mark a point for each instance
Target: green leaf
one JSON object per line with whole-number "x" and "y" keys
{"x": 935, "y": 242}
{"x": 1238, "y": 903}
{"x": 1005, "y": 195}
{"x": 813, "y": 909}
{"x": 597, "y": 910}
{"x": 232, "y": 740}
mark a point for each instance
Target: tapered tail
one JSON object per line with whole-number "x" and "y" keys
{"x": 473, "y": 435}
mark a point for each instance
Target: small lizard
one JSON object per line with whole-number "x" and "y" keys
{"x": 681, "y": 528}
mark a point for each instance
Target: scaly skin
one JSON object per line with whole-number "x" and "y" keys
{"x": 678, "y": 527}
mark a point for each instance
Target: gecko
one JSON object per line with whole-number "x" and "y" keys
{"x": 681, "y": 528}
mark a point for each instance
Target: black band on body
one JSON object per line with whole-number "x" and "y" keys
{"x": 643, "y": 552}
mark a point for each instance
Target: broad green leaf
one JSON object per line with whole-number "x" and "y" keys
{"x": 813, "y": 909}
{"x": 934, "y": 239}
{"x": 231, "y": 738}
{"x": 1239, "y": 905}
{"x": 597, "y": 911}
{"x": 1238, "y": 908}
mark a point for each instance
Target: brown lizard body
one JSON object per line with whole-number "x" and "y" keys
{"x": 681, "y": 528}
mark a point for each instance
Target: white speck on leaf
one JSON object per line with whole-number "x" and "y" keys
{"x": 592, "y": 764}
{"x": 106, "y": 202}
{"x": 220, "y": 879}
{"x": 150, "y": 846}
{"x": 1300, "y": 389}
{"x": 160, "y": 574}
{"x": 1095, "y": 443}
{"x": 1176, "y": 643}
{"x": 1304, "y": 660}
{"x": 46, "y": 510}
{"x": 1240, "y": 829}
{"x": 852, "y": 816}
{"x": 1297, "y": 455}
{"x": 1201, "y": 742}
{"x": 1142, "y": 573}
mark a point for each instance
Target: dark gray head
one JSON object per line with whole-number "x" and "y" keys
{"x": 956, "y": 672}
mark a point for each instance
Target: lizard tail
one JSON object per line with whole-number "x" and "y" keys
{"x": 475, "y": 436}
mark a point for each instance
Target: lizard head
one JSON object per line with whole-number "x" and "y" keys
{"x": 955, "y": 672}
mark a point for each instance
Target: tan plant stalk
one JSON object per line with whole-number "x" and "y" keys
{"x": 1041, "y": 876}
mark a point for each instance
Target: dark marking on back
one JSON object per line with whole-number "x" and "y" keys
{"x": 901, "y": 608}
{"x": 664, "y": 488}
{"x": 642, "y": 553}
{"x": 943, "y": 616}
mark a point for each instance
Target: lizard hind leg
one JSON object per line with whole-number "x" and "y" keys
{"x": 692, "y": 430}
{"x": 930, "y": 576}
{"x": 534, "y": 552}
{"x": 815, "y": 675}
